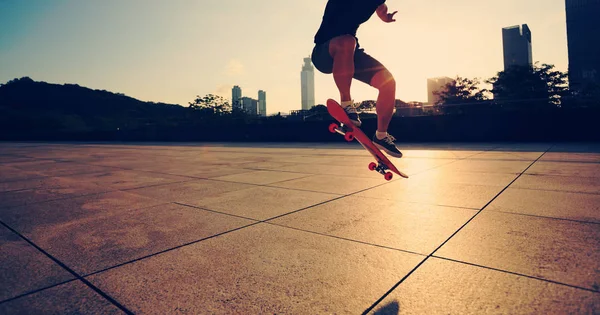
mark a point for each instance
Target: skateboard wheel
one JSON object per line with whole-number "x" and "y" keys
{"x": 372, "y": 166}
{"x": 333, "y": 127}
{"x": 349, "y": 136}
{"x": 388, "y": 176}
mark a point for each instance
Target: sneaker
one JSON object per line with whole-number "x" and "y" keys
{"x": 387, "y": 144}
{"x": 353, "y": 115}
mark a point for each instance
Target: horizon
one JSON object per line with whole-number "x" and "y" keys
{"x": 171, "y": 52}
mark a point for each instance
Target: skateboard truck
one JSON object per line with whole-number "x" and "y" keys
{"x": 343, "y": 130}
{"x": 349, "y": 136}
{"x": 381, "y": 168}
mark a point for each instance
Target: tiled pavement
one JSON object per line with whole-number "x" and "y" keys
{"x": 298, "y": 229}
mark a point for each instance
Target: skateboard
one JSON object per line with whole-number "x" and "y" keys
{"x": 351, "y": 132}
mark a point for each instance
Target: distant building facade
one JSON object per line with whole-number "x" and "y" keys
{"x": 516, "y": 43}
{"x": 262, "y": 103}
{"x": 308, "y": 84}
{"x": 436, "y": 85}
{"x": 583, "y": 38}
{"x": 249, "y": 105}
{"x": 236, "y": 95}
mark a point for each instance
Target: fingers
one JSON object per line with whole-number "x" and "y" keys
{"x": 391, "y": 16}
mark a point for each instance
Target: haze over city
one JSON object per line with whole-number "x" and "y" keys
{"x": 172, "y": 51}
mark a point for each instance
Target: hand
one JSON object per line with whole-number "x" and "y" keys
{"x": 389, "y": 17}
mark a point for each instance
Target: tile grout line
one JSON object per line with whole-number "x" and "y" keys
{"x": 370, "y": 308}
{"x": 72, "y": 272}
{"x": 517, "y": 274}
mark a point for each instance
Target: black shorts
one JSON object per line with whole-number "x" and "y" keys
{"x": 365, "y": 66}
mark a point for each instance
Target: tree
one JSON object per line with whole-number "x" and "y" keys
{"x": 541, "y": 85}
{"x": 211, "y": 105}
{"x": 461, "y": 91}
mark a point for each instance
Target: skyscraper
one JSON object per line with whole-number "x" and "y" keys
{"x": 308, "y": 84}
{"x": 436, "y": 85}
{"x": 262, "y": 103}
{"x": 516, "y": 42}
{"x": 583, "y": 29}
{"x": 236, "y": 95}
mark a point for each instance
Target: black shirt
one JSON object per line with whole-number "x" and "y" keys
{"x": 343, "y": 17}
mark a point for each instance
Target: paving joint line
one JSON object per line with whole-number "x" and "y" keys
{"x": 517, "y": 274}
{"x": 72, "y": 272}
{"x": 370, "y": 308}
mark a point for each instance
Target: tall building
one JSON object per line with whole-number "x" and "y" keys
{"x": 436, "y": 85}
{"x": 262, "y": 103}
{"x": 236, "y": 95}
{"x": 583, "y": 29}
{"x": 308, "y": 84}
{"x": 516, "y": 42}
{"x": 249, "y": 105}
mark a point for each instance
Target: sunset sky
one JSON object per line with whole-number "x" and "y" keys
{"x": 171, "y": 51}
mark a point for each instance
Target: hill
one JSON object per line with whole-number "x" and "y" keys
{"x": 27, "y": 105}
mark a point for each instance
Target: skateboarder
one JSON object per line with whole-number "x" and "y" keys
{"x": 337, "y": 51}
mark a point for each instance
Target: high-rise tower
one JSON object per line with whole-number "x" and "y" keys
{"x": 583, "y": 29}
{"x": 236, "y": 95}
{"x": 308, "y": 84}
{"x": 262, "y": 103}
{"x": 516, "y": 42}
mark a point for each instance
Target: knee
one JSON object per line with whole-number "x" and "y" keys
{"x": 344, "y": 43}
{"x": 384, "y": 81}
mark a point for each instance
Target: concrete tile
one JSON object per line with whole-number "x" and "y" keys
{"x": 554, "y": 204}
{"x": 445, "y": 287}
{"x": 444, "y": 176}
{"x": 260, "y": 177}
{"x": 267, "y": 165}
{"x": 565, "y": 169}
{"x": 260, "y": 203}
{"x": 335, "y": 170}
{"x": 508, "y": 155}
{"x": 558, "y": 250}
{"x": 8, "y": 174}
{"x": 407, "y": 226}
{"x": 190, "y": 190}
{"x": 559, "y": 183}
{"x": 71, "y": 212}
{"x": 522, "y": 147}
{"x": 259, "y": 269}
{"x": 341, "y": 185}
{"x": 570, "y": 157}
{"x": 23, "y": 268}
{"x": 112, "y": 238}
{"x": 63, "y": 168}
{"x": 438, "y": 193}
{"x": 487, "y": 166}
{"x": 70, "y": 298}
{"x": 44, "y": 189}
{"x": 53, "y": 183}
{"x": 125, "y": 179}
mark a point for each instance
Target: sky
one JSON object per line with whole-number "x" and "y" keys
{"x": 172, "y": 50}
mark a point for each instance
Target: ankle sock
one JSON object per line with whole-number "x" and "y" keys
{"x": 345, "y": 104}
{"x": 380, "y": 135}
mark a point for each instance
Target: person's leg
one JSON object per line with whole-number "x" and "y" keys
{"x": 342, "y": 49}
{"x": 372, "y": 72}
{"x": 385, "y": 83}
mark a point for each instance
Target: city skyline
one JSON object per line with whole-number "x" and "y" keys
{"x": 171, "y": 52}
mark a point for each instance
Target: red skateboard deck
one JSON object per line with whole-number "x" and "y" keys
{"x": 352, "y": 132}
